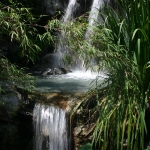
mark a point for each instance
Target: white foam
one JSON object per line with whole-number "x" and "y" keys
{"x": 88, "y": 75}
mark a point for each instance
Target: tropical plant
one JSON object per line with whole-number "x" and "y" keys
{"x": 15, "y": 75}
{"x": 20, "y": 26}
{"x": 124, "y": 108}
{"x": 121, "y": 44}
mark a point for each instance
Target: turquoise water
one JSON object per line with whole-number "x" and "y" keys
{"x": 70, "y": 83}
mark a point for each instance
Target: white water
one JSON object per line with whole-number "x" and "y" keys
{"x": 61, "y": 48}
{"x": 94, "y": 15}
{"x": 69, "y": 12}
{"x": 70, "y": 83}
{"x": 96, "y": 6}
{"x": 51, "y": 128}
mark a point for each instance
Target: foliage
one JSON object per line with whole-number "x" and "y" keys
{"x": 20, "y": 26}
{"x": 19, "y": 23}
{"x": 87, "y": 146}
{"x": 120, "y": 45}
{"x": 71, "y": 39}
{"x": 15, "y": 75}
{"x": 123, "y": 112}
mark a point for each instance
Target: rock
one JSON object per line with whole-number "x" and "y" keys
{"x": 57, "y": 71}
{"x": 11, "y": 100}
{"x": 50, "y": 7}
{"x": 65, "y": 71}
{"x": 77, "y": 130}
{"x": 46, "y": 71}
{"x": 51, "y": 60}
{"x": 4, "y": 115}
{"x": 54, "y": 71}
{"x": 78, "y": 1}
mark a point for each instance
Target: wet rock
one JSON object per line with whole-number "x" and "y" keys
{"x": 54, "y": 71}
{"x": 11, "y": 98}
{"x": 11, "y": 101}
{"x": 78, "y": 1}
{"x": 61, "y": 100}
{"x": 57, "y": 71}
{"x": 4, "y": 115}
{"x": 65, "y": 71}
{"x": 46, "y": 71}
{"x": 50, "y": 7}
{"x": 78, "y": 130}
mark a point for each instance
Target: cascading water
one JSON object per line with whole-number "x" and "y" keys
{"x": 93, "y": 19}
{"x": 96, "y": 6}
{"x": 69, "y": 12}
{"x": 61, "y": 48}
{"x": 51, "y": 128}
{"x": 94, "y": 14}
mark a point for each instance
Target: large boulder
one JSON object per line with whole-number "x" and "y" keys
{"x": 10, "y": 100}
{"x": 50, "y": 7}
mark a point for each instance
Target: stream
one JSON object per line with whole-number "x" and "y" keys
{"x": 52, "y": 123}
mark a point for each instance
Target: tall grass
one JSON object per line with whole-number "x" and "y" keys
{"x": 122, "y": 45}
{"x": 121, "y": 124}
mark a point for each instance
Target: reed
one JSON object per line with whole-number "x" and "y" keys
{"x": 120, "y": 44}
{"x": 125, "y": 33}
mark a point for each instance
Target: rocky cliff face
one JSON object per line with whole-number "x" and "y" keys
{"x": 50, "y": 7}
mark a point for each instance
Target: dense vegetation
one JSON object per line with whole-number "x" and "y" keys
{"x": 21, "y": 40}
{"x": 119, "y": 44}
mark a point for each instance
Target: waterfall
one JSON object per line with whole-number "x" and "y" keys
{"x": 96, "y": 6}
{"x": 51, "y": 128}
{"x": 60, "y": 47}
{"x": 94, "y": 14}
{"x": 69, "y": 12}
{"x": 67, "y": 17}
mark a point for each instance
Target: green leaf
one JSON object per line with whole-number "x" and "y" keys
{"x": 87, "y": 146}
